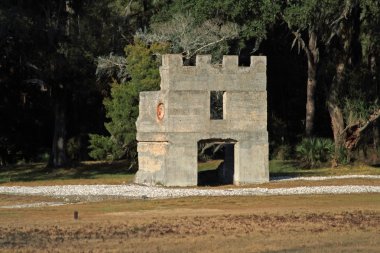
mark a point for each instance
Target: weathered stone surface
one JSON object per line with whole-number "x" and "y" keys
{"x": 174, "y": 119}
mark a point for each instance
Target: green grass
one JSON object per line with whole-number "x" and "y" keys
{"x": 279, "y": 168}
{"x": 86, "y": 171}
{"x": 209, "y": 165}
{"x": 117, "y": 173}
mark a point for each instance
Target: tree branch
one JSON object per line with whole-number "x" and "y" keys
{"x": 207, "y": 45}
{"x": 303, "y": 44}
{"x": 355, "y": 132}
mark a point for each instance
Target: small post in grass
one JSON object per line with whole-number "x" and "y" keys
{"x": 76, "y": 215}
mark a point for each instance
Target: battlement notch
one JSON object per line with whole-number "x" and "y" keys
{"x": 230, "y": 62}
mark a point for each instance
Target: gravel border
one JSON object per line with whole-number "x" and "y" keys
{"x": 37, "y": 204}
{"x": 133, "y": 191}
{"x": 139, "y": 191}
{"x": 320, "y": 178}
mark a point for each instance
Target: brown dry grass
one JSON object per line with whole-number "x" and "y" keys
{"x": 320, "y": 223}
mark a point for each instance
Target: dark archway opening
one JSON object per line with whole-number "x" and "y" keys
{"x": 215, "y": 162}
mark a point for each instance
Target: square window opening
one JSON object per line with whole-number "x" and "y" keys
{"x": 217, "y": 104}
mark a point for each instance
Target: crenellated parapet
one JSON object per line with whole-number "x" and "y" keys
{"x": 231, "y": 76}
{"x": 229, "y": 62}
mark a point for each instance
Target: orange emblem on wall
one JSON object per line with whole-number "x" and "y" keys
{"x": 160, "y": 111}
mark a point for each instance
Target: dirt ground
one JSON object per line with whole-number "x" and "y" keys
{"x": 319, "y": 223}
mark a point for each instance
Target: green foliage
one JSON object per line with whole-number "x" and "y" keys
{"x": 312, "y": 14}
{"x": 282, "y": 152}
{"x": 360, "y": 97}
{"x": 122, "y": 106}
{"x": 277, "y": 132}
{"x": 48, "y": 49}
{"x": 314, "y": 151}
{"x": 356, "y": 111}
{"x": 103, "y": 147}
{"x": 47, "y": 53}
{"x": 251, "y": 18}
{"x": 343, "y": 156}
{"x": 73, "y": 148}
{"x": 370, "y": 18}
{"x": 188, "y": 37}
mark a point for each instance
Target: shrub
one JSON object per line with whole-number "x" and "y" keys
{"x": 73, "y": 148}
{"x": 122, "y": 107}
{"x": 343, "y": 156}
{"x": 314, "y": 151}
{"x": 103, "y": 148}
{"x": 282, "y": 152}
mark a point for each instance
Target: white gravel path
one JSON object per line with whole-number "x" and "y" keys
{"x": 37, "y": 204}
{"x": 155, "y": 192}
{"x": 324, "y": 178}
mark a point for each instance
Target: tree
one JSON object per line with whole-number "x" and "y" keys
{"x": 370, "y": 41}
{"x": 53, "y": 46}
{"x": 23, "y": 112}
{"x": 309, "y": 21}
{"x": 49, "y": 57}
{"x": 142, "y": 62}
{"x": 74, "y": 53}
{"x": 355, "y": 80}
{"x": 216, "y": 27}
{"x": 336, "y": 27}
{"x": 187, "y": 37}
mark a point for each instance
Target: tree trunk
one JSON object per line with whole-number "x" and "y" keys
{"x": 348, "y": 54}
{"x": 58, "y": 156}
{"x": 312, "y": 61}
{"x": 337, "y": 124}
{"x": 376, "y": 138}
{"x": 376, "y": 130}
{"x": 336, "y": 115}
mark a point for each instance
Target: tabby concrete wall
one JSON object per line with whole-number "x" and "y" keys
{"x": 172, "y": 121}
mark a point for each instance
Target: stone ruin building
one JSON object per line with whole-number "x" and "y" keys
{"x": 173, "y": 120}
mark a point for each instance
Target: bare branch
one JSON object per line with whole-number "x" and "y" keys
{"x": 127, "y": 9}
{"x": 112, "y": 66}
{"x": 204, "y": 46}
{"x": 189, "y": 38}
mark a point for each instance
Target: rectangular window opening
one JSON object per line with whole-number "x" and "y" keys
{"x": 217, "y": 105}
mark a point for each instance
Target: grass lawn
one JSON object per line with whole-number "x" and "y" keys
{"x": 279, "y": 168}
{"x": 85, "y": 173}
{"x": 319, "y": 223}
{"x": 307, "y": 223}
{"x": 117, "y": 173}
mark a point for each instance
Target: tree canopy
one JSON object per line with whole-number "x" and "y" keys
{"x": 71, "y": 71}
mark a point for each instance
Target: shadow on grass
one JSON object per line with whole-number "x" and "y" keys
{"x": 208, "y": 172}
{"x": 289, "y": 169}
{"x": 94, "y": 170}
{"x": 86, "y": 170}
{"x": 207, "y": 175}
